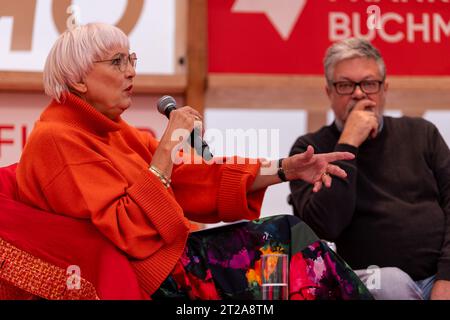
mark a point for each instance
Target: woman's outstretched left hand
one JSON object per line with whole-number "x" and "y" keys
{"x": 315, "y": 168}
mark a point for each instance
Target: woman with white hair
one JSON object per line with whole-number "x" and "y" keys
{"x": 84, "y": 161}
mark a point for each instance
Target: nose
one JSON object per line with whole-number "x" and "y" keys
{"x": 358, "y": 94}
{"x": 130, "y": 72}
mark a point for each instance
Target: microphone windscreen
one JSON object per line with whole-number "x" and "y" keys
{"x": 166, "y": 102}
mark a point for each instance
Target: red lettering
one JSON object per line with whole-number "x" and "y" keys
{"x": 24, "y": 136}
{"x": 6, "y": 141}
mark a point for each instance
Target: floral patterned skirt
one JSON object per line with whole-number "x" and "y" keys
{"x": 225, "y": 263}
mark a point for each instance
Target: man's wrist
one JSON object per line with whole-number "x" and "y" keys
{"x": 280, "y": 172}
{"x": 343, "y": 147}
{"x": 347, "y": 141}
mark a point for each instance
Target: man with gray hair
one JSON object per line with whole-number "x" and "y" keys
{"x": 390, "y": 217}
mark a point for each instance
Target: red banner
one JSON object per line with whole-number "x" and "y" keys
{"x": 291, "y": 36}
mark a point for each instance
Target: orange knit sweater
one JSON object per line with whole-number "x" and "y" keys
{"x": 79, "y": 163}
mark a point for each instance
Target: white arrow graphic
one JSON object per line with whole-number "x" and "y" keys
{"x": 283, "y": 14}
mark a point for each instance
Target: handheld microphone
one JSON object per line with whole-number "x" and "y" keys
{"x": 166, "y": 105}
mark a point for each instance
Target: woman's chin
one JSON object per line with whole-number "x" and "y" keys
{"x": 126, "y": 104}
{"x": 118, "y": 111}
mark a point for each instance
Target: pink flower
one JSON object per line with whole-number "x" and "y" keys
{"x": 301, "y": 286}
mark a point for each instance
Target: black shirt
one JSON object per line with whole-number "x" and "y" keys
{"x": 393, "y": 209}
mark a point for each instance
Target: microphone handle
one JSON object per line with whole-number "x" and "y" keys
{"x": 168, "y": 110}
{"x": 199, "y": 145}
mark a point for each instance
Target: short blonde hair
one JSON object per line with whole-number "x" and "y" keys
{"x": 74, "y": 53}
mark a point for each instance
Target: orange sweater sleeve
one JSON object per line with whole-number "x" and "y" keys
{"x": 210, "y": 193}
{"x": 139, "y": 219}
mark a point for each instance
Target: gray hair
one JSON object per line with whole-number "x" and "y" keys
{"x": 348, "y": 49}
{"x": 73, "y": 55}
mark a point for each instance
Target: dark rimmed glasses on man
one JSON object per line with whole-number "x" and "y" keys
{"x": 122, "y": 60}
{"x": 366, "y": 86}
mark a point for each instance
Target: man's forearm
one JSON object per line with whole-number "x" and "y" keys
{"x": 328, "y": 211}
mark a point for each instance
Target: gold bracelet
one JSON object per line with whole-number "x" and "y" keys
{"x": 165, "y": 181}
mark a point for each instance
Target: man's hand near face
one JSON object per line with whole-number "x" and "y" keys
{"x": 361, "y": 123}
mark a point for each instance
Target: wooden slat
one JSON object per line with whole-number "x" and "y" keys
{"x": 170, "y": 84}
{"x": 265, "y": 91}
{"x": 314, "y": 81}
{"x": 181, "y": 32}
{"x": 409, "y": 94}
{"x": 32, "y": 82}
{"x": 197, "y": 54}
{"x": 21, "y": 81}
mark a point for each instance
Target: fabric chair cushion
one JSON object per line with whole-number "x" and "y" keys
{"x": 8, "y": 184}
{"x": 32, "y": 239}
